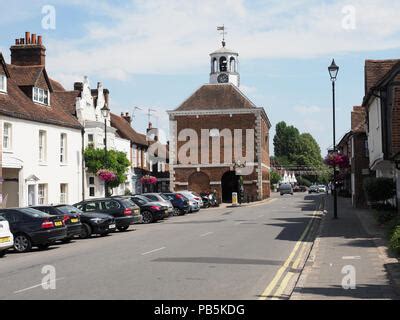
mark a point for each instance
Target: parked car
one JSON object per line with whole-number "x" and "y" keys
{"x": 180, "y": 203}
{"x": 151, "y": 211}
{"x": 6, "y": 237}
{"x": 34, "y": 228}
{"x": 92, "y": 222}
{"x": 205, "y": 199}
{"x": 161, "y": 199}
{"x": 195, "y": 202}
{"x": 124, "y": 211}
{"x": 303, "y": 189}
{"x": 286, "y": 188}
{"x": 322, "y": 189}
{"x": 72, "y": 221}
{"x": 313, "y": 189}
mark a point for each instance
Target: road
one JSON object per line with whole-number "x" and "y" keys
{"x": 223, "y": 253}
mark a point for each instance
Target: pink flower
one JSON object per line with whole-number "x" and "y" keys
{"x": 106, "y": 175}
{"x": 335, "y": 159}
{"x": 148, "y": 180}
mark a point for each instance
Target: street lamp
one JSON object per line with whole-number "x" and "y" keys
{"x": 105, "y": 111}
{"x": 333, "y": 72}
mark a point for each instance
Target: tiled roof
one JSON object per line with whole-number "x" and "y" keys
{"x": 18, "y": 105}
{"x": 67, "y": 99}
{"x": 216, "y": 96}
{"x": 375, "y": 70}
{"x": 125, "y": 130}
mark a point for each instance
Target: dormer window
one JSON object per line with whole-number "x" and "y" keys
{"x": 3, "y": 83}
{"x": 41, "y": 96}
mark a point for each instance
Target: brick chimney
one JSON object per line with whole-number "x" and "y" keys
{"x": 28, "y": 51}
{"x": 127, "y": 117}
{"x": 358, "y": 119}
{"x": 152, "y": 133}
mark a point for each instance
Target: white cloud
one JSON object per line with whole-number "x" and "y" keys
{"x": 307, "y": 109}
{"x": 176, "y": 36}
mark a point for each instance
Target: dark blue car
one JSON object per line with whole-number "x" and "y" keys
{"x": 180, "y": 203}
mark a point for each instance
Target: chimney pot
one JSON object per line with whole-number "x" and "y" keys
{"x": 122, "y": 114}
{"x": 27, "y": 37}
{"x": 39, "y": 40}
{"x": 33, "y": 41}
{"x": 16, "y": 41}
{"x": 21, "y": 41}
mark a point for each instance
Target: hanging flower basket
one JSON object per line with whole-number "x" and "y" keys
{"x": 106, "y": 175}
{"x": 336, "y": 159}
{"x": 148, "y": 180}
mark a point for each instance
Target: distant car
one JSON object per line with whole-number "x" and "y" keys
{"x": 72, "y": 221}
{"x": 313, "y": 189}
{"x": 34, "y": 228}
{"x": 124, "y": 211}
{"x": 180, "y": 203}
{"x": 285, "y": 189}
{"x": 92, "y": 222}
{"x": 296, "y": 189}
{"x": 6, "y": 237}
{"x": 195, "y": 202}
{"x": 322, "y": 188}
{"x": 303, "y": 189}
{"x": 151, "y": 211}
{"x": 160, "y": 198}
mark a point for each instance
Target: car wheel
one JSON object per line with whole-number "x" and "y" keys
{"x": 2, "y": 253}
{"x": 176, "y": 212}
{"x": 22, "y": 243}
{"x": 43, "y": 246}
{"x": 123, "y": 229}
{"x": 86, "y": 231}
{"x": 147, "y": 217}
{"x": 66, "y": 240}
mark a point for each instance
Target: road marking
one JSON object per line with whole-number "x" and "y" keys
{"x": 36, "y": 286}
{"x": 267, "y": 292}
{"x": 206, "y": 234}
{"x": 152, "y": 251}
{"x": 283, "y": 285}
{"x": 351, "y": 258}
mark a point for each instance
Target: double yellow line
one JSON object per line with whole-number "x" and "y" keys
{"x": 273, "y": 286}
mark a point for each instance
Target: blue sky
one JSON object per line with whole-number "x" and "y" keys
{"x": 154, "y": 53}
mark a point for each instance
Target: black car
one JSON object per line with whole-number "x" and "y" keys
{"x": 124, "y": 211}
{"x": 151, "y": 211}
{"x": 34, "y": 228}
{"x": 92, "y": 222}
{"x": 72, "y": 221}
{"x": 179, "y": 201}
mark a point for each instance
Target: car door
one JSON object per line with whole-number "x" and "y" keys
{"x": 14, "y": 219}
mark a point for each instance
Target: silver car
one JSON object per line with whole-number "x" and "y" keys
{"x": 157, "y": 197}
{"x": 193, "y": 196}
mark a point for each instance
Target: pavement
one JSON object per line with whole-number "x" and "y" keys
{"x": 349, "y": 259}
{"x": 252, "y": 252}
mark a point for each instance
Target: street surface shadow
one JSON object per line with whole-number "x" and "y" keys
{"x": 218, "y": 260}
{"x": 366, "y": 291}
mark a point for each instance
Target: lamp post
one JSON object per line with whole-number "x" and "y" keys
{"x": 333, "y": 71}
{"x": 105, "y": 111}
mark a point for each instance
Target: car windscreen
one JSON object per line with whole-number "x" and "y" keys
{"x": 164, "y": 196}
{"x": 34, "y": 213}
{"x": 127, "y": 203}
{"x": 141, "y": 200}
{"x": 69, "y": 210}
{"x": 285, "y": 187}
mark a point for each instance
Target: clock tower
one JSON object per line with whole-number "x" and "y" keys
{"x": 224, "y": 66}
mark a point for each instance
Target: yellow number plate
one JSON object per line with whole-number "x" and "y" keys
{"x": 58, "y": 224}
{"x": 74, "y": 220}
{"x": 5, "y": 239}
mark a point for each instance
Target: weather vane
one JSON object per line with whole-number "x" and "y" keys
{"x": 224, "y": 33}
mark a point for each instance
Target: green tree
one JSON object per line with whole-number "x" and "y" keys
{"x": 117, "y": 162}
{"x": 286, "y": 141}
{"x": 275, "y": 177}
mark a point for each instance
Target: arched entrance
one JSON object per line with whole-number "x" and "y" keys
{"x": 199, "y": 182}
{"x": 229, "y": 184}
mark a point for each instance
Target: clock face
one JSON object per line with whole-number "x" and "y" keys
{"x": 223, "y": 78}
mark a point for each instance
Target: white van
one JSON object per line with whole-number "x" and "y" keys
{"x": 6, "y": 237}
